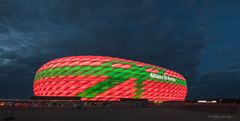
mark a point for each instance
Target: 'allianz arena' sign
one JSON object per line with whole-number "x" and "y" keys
{"x": 163, "y": 77}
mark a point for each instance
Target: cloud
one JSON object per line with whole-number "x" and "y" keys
{"x": 217, "y": 84}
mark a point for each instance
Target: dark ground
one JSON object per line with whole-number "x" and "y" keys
{"x": 161, "y": 113}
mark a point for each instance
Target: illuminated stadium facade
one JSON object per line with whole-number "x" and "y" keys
{"x": 102, "y": 78}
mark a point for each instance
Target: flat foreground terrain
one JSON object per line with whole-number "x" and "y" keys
{"x": 170, "y": 112}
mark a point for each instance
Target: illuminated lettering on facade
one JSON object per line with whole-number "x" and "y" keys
{"x": 162, "y": 77}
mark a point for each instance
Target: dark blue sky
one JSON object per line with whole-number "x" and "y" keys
{"x": 197, "y": 38}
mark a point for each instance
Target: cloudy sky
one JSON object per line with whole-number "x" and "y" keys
{"x": 199, "y": 39}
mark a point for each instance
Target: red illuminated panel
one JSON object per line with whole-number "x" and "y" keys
{"x": 160, "y": 91}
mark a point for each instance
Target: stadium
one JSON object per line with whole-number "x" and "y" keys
{"x": 103, "y": 78}
{"x": 112, "y": 89}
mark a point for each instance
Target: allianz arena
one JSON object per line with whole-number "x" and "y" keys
{"x": 102, "y": 78}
